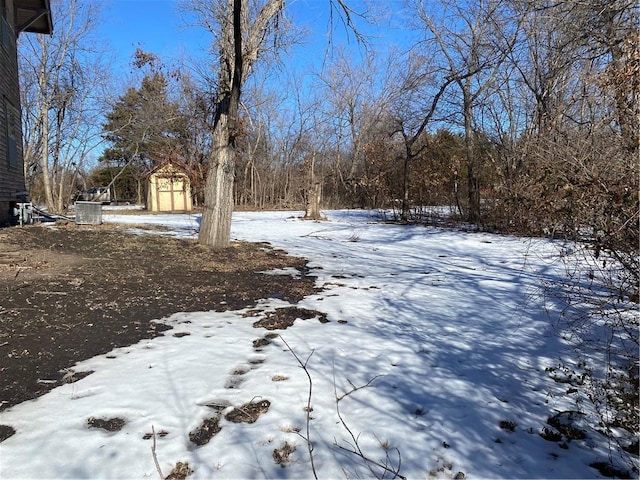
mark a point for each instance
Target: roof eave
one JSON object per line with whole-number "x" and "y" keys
{"x": 33, "y": 16}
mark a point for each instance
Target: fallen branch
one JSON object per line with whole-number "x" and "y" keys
{"x": 153, "y": 452}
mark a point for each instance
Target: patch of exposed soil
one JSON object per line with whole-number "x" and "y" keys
{"x": 71, "y": 292}
{"x": 6, "y": 431}
{"x": 258, "y": 343}
{"x": 109, "y": 424}
{"x": 180, "y": 471}
{"x": 565, "y": 423}
{"x": 160, "y": 434}
{"x": 281, "y": 455}
{"x": 249, "y": 412}
{"x": 283, "y": 318}
{"x": 209, "y": 428}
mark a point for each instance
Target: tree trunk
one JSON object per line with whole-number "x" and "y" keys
{"x": 215, "y": 229}
{"x": 43, "y": 113}
{"x": 404, "y": 213}
{"x": 314, "y": 199}
{"x": 314, "y": 195}
{"x": 473, "y": 213}
{"x": 240, "y": 45}
{"x": 139, "y": 189}
{"x": 61, "y": 203}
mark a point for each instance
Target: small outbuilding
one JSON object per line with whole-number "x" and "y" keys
{"x": 169, "y": 189}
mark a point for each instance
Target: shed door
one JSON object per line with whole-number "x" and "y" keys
{"x": 171, "y": 194}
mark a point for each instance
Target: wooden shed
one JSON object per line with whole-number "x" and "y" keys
{"x": 169, "y": 189}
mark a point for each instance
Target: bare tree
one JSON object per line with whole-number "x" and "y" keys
{"x": 351, "y": 106}
{"x": 474, "y": 39}
{"x": 609, "y": 31}
{"x": 413, "y": 127}
{"x": 242, "y": 30}
{"x": 60, "y": 79}
{"x": 256, "y": 146}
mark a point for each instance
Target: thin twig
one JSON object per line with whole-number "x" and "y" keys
{"x": 153, "y": 452}
{"x": 354, "y": 388}
{"x": 355, "y": 446}
{"x": 308, "y": 412}
{"x": 358, "y": 453}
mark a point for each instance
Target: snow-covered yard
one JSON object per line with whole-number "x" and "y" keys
{"x": 436, "y": 345}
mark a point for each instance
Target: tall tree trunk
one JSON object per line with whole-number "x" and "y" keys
{"x": 314, "y": 194}
{"x": 139, "y": 191}
{"x": 215, "y": 229}
{"x": 44, "y": 160}
{"x": 404, "y": 213}
{"x": 60, "y": 201}
{"x": 43, "y": 113}
{"x": 313, "y": 203}
{"x": 237, "y": 55}
{"x": 473, "y": 213}
{"x": 59, "y": 170}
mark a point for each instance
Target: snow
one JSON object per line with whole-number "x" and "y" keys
{"x": 447, "y": 335}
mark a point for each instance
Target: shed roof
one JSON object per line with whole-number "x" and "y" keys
{"x": 175, "y": 164}
{"x": 33, "y": 16}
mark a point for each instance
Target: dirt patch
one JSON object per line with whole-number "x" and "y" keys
{"x": 551, "y": 435}
{"x": 249, "y": 412}
{"x": 610, "y": 471}
{"x": 508, "y": 425}
{"x": 6, "y": 431}
{"x": 283, "y": 318}
{"x": 566, "y": 424}
{"x": 72, "y": 292}
{"x": 264, "y": 341}
{"x": 281, "y": 455}
{"x": 109, "y": 424}
{"x": 160, "y": 434}
{"x": 209, "y": 428}
{"x": 180, "y": 471}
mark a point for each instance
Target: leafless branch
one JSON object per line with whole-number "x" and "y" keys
{"x": 307, "y": 439}
{"x": 354, "y": 448}
{"x": 153, "y": 452}
{"x": 354, "y": 388}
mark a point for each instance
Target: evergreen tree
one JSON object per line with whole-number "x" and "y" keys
{"x": 145, "y": 128}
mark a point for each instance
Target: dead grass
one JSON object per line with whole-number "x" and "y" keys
{"x": 281, "y": 455}
{"x": 179, "y": 472}
{"x": 283, "y": 318}
{"x": 209, "y": 428}
{"x": 249, "y": 412}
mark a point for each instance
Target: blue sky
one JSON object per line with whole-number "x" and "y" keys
{"x": 159, "y": 27}
{"x": 152, "y": 25}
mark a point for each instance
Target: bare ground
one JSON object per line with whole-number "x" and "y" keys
{"x": 71, "y": 292}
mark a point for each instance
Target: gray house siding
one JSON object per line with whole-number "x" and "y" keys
{"x": 15, "y": 16}
{"x": 11, "y": 166}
